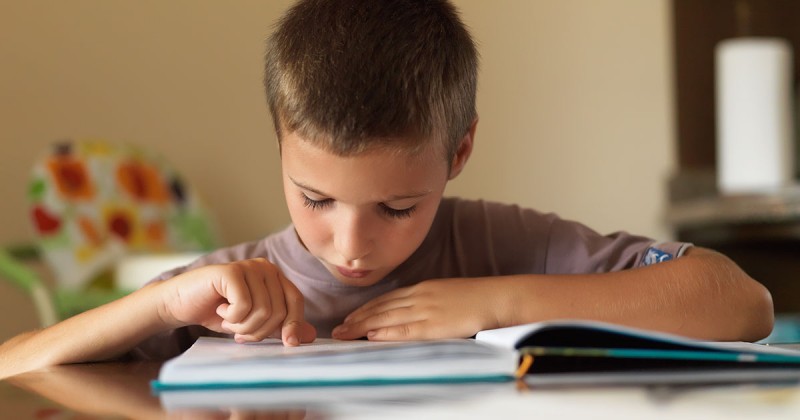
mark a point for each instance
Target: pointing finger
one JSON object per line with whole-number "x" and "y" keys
{"x": 295, "y": 330}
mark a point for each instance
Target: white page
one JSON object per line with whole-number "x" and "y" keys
{"x": 214, "y": 349}
{"x": 220, "y": 360}
{"x": 509, "y": 337}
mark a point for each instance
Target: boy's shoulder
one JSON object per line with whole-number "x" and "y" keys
{"x": 482, "y": 220}
{"x": 265, "y": 247}
{"x": 479, "y": 209}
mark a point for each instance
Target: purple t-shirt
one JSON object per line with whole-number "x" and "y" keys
{"x": 467, "y": 239}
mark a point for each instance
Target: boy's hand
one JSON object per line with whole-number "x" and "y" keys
{"x": 250, "y": 298}
{"x": 444, "y": 308}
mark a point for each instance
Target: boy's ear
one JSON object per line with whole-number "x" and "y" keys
{"x": 464, "y": 150}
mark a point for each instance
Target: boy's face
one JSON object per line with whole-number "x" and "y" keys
{"x": 363, "y": 215}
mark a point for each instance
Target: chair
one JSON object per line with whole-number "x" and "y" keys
{"x": 91, "y": 204}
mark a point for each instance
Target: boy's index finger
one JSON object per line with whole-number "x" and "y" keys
{"x": 292, "y": 332}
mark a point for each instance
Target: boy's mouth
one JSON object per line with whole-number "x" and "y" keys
{"x": 353, "y": 274}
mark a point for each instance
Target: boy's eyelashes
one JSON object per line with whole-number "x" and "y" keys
{"x": 316, "y": 204}
{"x": 398, "y": 214}
{"x": 389, "y": 211}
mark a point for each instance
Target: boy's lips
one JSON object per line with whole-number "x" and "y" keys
{"x": 355, "y": 274}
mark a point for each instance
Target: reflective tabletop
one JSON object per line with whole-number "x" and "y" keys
{"x": 122, "y": 390}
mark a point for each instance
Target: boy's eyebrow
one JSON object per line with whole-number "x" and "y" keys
{"x": 390, "y": 198}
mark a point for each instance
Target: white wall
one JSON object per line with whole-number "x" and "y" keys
{"x": 574, "y": 99}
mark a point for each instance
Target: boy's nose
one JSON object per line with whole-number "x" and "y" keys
{"x": 351, "y": 248}
{"x": 353, "y": 241}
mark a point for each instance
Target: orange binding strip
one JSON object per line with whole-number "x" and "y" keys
{"x": 524, "y": 365}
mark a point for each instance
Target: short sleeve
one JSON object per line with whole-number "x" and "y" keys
{"x": 244, "y": 251}
{"x": 575, "y": 248}
{"x": 491, "y": 239}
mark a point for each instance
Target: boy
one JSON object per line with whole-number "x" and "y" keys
{"x": 374, "y": 106}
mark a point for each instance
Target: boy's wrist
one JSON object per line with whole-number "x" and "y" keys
{"x": 511, "y": 300}
{"x": 161, "y": 294}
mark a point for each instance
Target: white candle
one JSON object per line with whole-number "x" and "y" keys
{"x": 755, "y": 152}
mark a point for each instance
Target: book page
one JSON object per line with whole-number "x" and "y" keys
{"x": 210, "y": 350}
{"x": 221, "y": 362}
{"x": 570, "y": 335}
{"x": 745, "y": 347}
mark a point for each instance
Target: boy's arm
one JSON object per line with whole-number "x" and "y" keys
{"x": 703, "y": 294}
{"x": 250, "y": 299}
{"x": 98, "y": 334}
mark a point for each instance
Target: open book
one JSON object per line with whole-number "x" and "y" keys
{"x": 555, "y": 352}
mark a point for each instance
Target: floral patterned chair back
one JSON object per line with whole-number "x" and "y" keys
{"x": 93, "y": 202}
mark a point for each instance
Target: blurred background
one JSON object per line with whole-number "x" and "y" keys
{"x": 577, "y": 104}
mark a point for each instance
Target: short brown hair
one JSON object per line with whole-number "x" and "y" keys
{"x": 349, "y": 73}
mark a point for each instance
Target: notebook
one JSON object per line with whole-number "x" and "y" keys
{"x": 545, "y": 353}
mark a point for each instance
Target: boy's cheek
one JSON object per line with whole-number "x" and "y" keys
{"x": 311, "y": 235}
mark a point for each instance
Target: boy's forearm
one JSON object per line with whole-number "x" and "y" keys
{"x": 702, "y": 294}
{"x": 99, "y": 334}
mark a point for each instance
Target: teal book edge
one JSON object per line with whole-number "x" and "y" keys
{"x": 158, "y": 386}
{"x": 547, "y": 349}
{"x": 720, "y": 356}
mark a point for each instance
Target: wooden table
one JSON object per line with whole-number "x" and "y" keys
{"x": 121, "y": 390}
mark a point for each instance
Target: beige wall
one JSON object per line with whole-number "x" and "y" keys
{"x": 575, "y": 103}
{"x": 576, "y": 111}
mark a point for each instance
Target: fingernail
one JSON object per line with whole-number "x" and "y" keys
{"x": 292, "y": 340}
{"x": 371, "y": 334}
